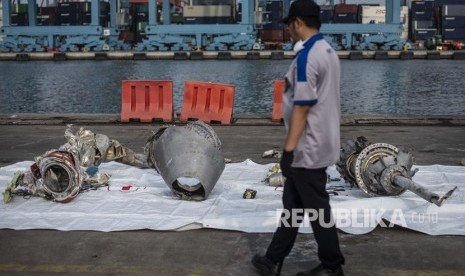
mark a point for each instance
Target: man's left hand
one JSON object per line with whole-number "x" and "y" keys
{"x": 286, "y": 162}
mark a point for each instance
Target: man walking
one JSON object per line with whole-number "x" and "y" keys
{"x": 312, "y": 119}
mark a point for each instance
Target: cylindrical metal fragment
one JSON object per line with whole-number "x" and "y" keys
{"x": 61, "y": 176}
{"x": 188, "y": 158}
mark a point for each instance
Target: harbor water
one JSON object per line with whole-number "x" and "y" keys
{"x": 368, "y": 87}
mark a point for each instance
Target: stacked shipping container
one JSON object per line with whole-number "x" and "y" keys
{"x": 423, "y": 23}
{"x": 273, "y": 30}
{"x": 427, "y": 18}
{"x": 207, "y": 14}
{"x": 64, "y": 14}
{"x": 438, "y": 17}
{"x": 79, "y": 13}
{"x": 453, "y": 22}
{"x": 377, "y": 15}
{"x": 18, "y": 15}
{"x": 345, "y": 13}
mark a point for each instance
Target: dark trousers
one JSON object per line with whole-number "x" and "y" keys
{"x": 306, "y": 189}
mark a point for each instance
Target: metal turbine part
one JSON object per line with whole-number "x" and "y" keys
{"x": 61, "y": 176}
{"x": 370, "y": 164}
{"x": 191, "y": 152}
{"x": 382, "y": 170}
{"x": 349, "y": 152}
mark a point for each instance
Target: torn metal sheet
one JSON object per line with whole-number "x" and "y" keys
{"x": 273, "y": 153}
{"x": 274, "y": 176}
{"x": 60, "y": 174}
{"x": 94, "y": 149}
{"x": 189, "y": 159}
{"x": 382, "y": 169}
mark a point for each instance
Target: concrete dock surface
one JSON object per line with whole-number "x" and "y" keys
{"x": 385, "y": 251}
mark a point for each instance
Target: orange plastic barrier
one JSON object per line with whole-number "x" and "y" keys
{"x": 277, "y": 114}
{"x": 147, "y": 100}
{"x": 208, "y": 102}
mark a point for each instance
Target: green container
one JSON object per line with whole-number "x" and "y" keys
{"x": 17, "y": 8}
{"x": 141, "y": 26}
{"x": 142, "y": 8}
{"x": 20, "y": 8}
{"x": 438, "y": 39}
{"x": 177, "y": 17}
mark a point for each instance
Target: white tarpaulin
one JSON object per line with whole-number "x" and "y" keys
{"x": 139, "y": 199}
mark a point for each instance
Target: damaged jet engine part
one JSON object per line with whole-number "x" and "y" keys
{"x": 56, "y": 175}
{"x": 95, "y": 149}
{"x": 61, "y": 176}
{"x": 382, "y": 169}
{"x": 188, "y": 158}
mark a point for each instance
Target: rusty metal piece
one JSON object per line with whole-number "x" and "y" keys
{"x": 382, "y": 170}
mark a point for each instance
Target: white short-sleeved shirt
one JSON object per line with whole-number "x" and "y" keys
{"x": 313, "y": 79}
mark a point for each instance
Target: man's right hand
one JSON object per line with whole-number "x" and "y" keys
{"x": 286, "y": 162}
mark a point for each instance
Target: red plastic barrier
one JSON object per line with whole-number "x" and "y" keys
{"x": 147, "y": 100}
{"x": 208, "y": 102}
{"x": 277, "y": 114}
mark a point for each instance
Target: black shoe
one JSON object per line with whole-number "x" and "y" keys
{"x": 265, "y": 266}
{"x": 321, "y": 271}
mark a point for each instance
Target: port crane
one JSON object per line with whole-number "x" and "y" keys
{"x": 184, "y": 37}
{"x": 93, "y": 37}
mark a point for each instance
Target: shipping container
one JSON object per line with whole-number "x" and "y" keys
{"x": 46, "y": 16}
{"x": 448, "y": 2}
{"x": 422, "y": 15}
{"x": 345, "y": 8}
{"x": 279, "y": 35}
{"x": 69, "y": 19}
{"x": 377, "y": 15}
{"x": 207, "y": 20}
{"x": 372, "y": 11}
{"x": 348, "y": 18}
{"x": 140, "y": 27}
{"x": 426, "y": 24}
{"x": 19, "y": 19}
{"x": 453, "y": 22}
{"x": 453, "y": 33}
{"x": 453, "y": 10}
{"x": 422, "y": 6}
{"x": 18, "y": 8}
{"x": 424, "y": 34}
{"x": 326, "y": 15}
{"x": 207, "y": 11}
{"x": 69, "y": 7}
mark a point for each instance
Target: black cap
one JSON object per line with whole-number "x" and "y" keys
{"x": 302, "y": 8}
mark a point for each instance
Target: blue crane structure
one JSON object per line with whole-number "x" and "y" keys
{"x": 67, "y": 38}
{"x": 167, "y": 36}
{"x": 367, "y": 36}
{"x": 186, "y": 37}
